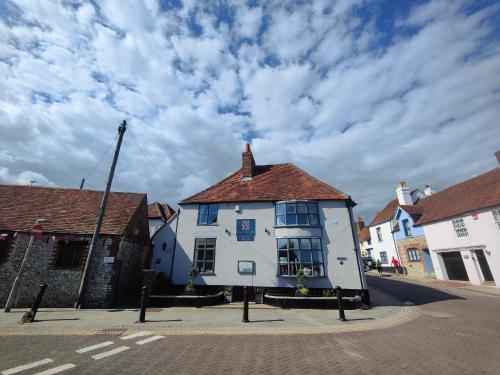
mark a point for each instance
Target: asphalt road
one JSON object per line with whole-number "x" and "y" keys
{"x": 457, "y": 333}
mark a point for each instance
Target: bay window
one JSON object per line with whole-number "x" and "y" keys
{"x": 297, "y": 214}
{"x": 296, "y": 253}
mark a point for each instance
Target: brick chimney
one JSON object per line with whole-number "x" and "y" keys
{"x": 248, "y": 163}
{"x": 359, "y": 224}
{"x": 403, "y": 194}
{"x": 497, "y": 154}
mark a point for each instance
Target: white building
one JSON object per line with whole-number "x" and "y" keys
{"x": 158, "y": 214}
{"x": 462, "y": 228}
{"x": 365, "y": 243}
{"x": 261, "y": 224}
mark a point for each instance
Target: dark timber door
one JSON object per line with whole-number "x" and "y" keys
{"x": 455, "y": 266}
{"x": 483, "y": 263}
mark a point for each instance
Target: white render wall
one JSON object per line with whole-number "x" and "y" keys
{"x": 483, "y": 235}
{"x": 166, "y": 234}
{"x": 387, "y": 244}
{"x": 336, "y": 238}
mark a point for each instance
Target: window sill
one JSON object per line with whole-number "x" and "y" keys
{"x": 208, "y": 225}
{"x": 207, "y": 274}
{"x": 294, "y": 277}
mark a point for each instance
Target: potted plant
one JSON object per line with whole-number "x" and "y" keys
{"x": 193, "y": 272}
{"x": 228, "y": 294}
{"x": 328, "y": 293}
{"x": 301, "y": 286}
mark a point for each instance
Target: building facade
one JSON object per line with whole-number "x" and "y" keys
{"x": 462, "y": 228}
{"x": 365, "y": 243}
{"x": 59, "y": 256}
{"x": 383, "y": 242}
{"x": 262, "y": 224}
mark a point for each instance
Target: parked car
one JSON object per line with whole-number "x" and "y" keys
{"x": 369, "y": 262}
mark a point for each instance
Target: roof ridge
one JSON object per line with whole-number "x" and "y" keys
{"x": 212, "y": 186}
{"x": 73, "y": 189}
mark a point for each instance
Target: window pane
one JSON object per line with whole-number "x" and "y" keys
{"x": 318, "y": 270}
{"x": 293, "y": 243}
{"x": 294, "y": 256}
{"x": 317, "y": 257}
{"x": 282, "y": 243}
{"x": 313, "y": 208}
{"x": 293, "y": 268}
{"x": 199, "y": 266}
{"x": 209, "y": 255}
{"x": 302, "y": 219}
{"x": 313, "y": 220}
{"x": 209, "y": 267}
{"x": 210, "y": 243}
{"x": 283, "y": 256}
{"x": 305, "y": 256}
{"x": 301, "y": 208}
{"x": 290, "y": 208}
{"x": 280, "y": 220}
{"x": 291, "y": 219}
{"x": 213, "y": 208}
{"x": 200, "y": 254}
{"x": 316, "y": 243}
{"x": 280, "y": 209}
{"x": 200, "y": 243}
{"x": 203, "y": 209}
{"x": 283, "y": 269}
{"x": 203, "y": 219}
{"x": 212, "y": 219}
{"x": 305, "y": 243}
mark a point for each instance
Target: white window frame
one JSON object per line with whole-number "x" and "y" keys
{"x": 460, "y": 228}
{"x": 496, "y": 217}
{"x": 413, "y": 254}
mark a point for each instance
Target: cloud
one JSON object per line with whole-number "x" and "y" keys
{"x": 360, "y": 94}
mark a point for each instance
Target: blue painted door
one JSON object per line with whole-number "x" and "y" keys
{"x": 429, "y": 268}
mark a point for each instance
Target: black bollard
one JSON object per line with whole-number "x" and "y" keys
{"x": 29, "y": 317}
{"x": 245, "y": 305}
{"x": 366, "y": 298}
{"x": 144, "y": 304}
{"x": 341, "y": 304}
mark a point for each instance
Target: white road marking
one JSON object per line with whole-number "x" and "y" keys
{"x": 137, "y": 334}
{"x": 17, "y": 369}
{"x": 57, "y": 369}
{"x": 149, "y": 339}
{"x": 110, "y": 352}
{"x": 94, "y": 347}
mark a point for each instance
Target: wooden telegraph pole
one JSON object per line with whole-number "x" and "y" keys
{"x": 102, "y": 210}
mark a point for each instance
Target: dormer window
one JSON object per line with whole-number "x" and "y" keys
{"x": 297, "y": 213}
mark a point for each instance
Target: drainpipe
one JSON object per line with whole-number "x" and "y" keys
{"x": 366, "y": 296}
{"x": 175, "y": 245}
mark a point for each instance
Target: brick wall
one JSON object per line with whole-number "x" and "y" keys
{"x": 414, "y": 268}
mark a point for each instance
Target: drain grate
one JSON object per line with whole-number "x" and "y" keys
{"x": 117, "y": 331}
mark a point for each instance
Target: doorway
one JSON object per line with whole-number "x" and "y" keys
{"x": 454, "y": 265}
{"x": 483, "y": 264}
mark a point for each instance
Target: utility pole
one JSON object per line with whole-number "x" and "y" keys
{"x": 17, "y": 280}
{"x": 81, "y": 184}
{"x": 102, "y": 210}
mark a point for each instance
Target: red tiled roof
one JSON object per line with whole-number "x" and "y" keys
{"x": 160, "y": 211}
{"x": 65, "y": 210}
{"x": 474, "y": 194}
{"x": 364, "y": 234}
{"x": 269, "y": 183}
{"x": 386, "y": 214}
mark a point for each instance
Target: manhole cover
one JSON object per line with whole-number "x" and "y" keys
{"x": 112, "y": 331}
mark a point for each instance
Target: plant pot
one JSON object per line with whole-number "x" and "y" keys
{"x": 228, "y": 297}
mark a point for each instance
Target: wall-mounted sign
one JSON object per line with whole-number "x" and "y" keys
{"x": 245, "y": 266}
{"x": 245, "y": 229}
{"x": 109, "y": 260}
{"x": 341, "y": 258}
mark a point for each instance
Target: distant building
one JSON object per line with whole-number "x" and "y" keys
{"x": 462, "y": 228}
{"x": 263, "y": 223}
{"x": 365, "y": 243}
{"x": 58, "y": 258}
{"x": 158, "y": 214}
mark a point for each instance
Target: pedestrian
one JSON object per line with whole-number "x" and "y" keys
{"x": 395, "y": 264}
{"x": 379, "y": 266}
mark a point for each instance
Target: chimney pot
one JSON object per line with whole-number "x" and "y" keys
{"x": 497, "y": 154}
{"x": 247, "y": 147}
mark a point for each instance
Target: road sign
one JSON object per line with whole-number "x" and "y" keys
{"x": 37, "y": 230}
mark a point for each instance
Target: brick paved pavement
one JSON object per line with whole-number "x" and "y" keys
{"x": 457, "y": 333}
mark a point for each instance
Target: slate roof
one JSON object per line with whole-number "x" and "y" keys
{"x": 160, "y": 211}
{"x": 471, "y": 195}
{"x": 270, "y": 183}
{"x": 364, "y": 234}
{"x": 386, "y": 214}
{"x": 65, "y": 210}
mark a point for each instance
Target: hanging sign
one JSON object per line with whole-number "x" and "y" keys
{"x": 245, "y": 229}
{"x": 245, "y": 266}
{"x": 37, "y": 230}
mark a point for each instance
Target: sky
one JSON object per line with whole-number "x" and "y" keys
{"x": 359, "y": 93}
